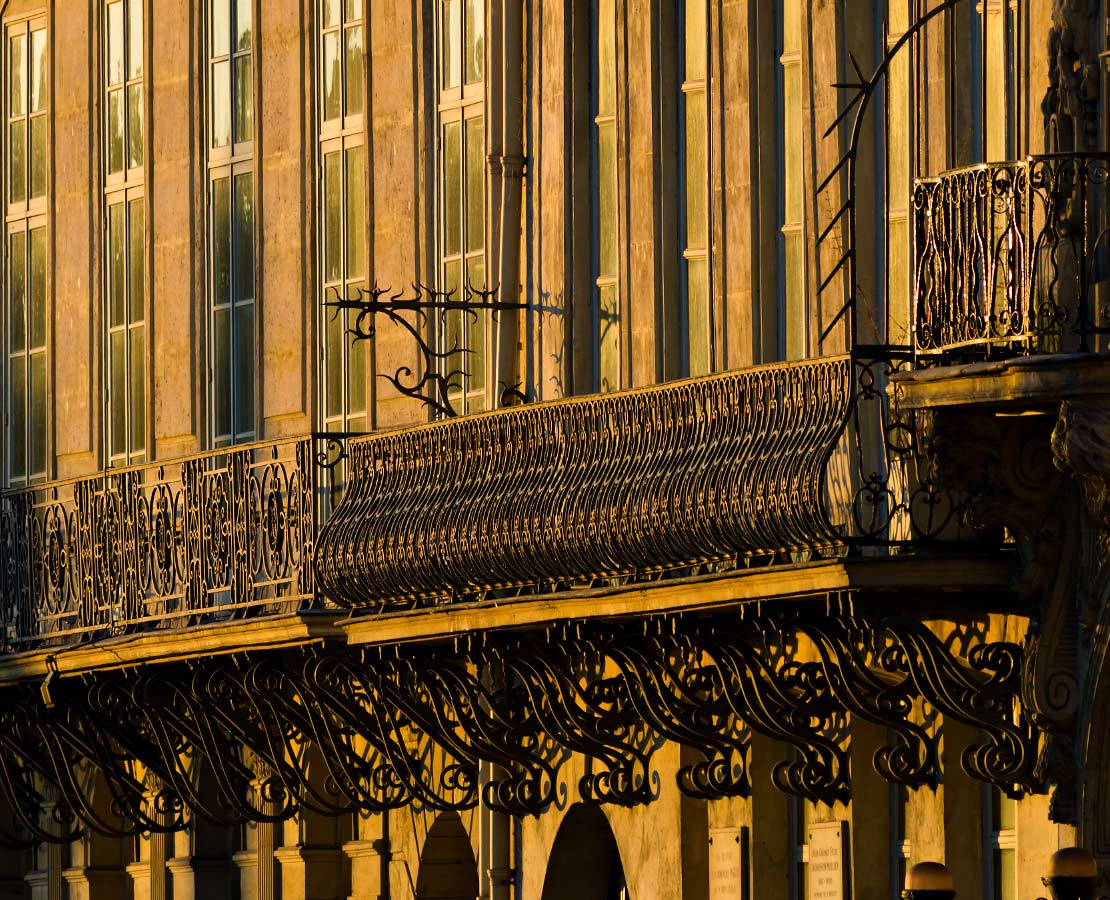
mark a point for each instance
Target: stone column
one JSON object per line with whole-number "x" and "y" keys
{"x": 45, "y": 881}
{"x": 309, "y": 873}
{"x": 366, "y": 859}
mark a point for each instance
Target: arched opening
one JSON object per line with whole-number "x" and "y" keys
{"x": 448, "y": 870}
{"x": 585, "y": 863}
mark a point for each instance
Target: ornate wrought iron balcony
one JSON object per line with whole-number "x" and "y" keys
{"x": 1013, "y": 258}
{"x": 206, "y": 538}
{"x": 629, "y": 484}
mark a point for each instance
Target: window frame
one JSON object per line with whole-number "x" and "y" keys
{"x": 462, "y": 103}
{"x": 127, "y": 187}
{"x": 791, "y": 344}
{"x": 230, "y": 161}
{"x": 601, "y": 344}
{"x": 689, "y": 252}
{"x": 25, "y": 217}
{"x": 340, "y": 135}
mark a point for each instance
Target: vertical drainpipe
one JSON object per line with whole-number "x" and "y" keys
{"x": 507, "y": 370}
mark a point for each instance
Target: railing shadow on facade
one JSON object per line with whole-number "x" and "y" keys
{"x": 1013, "y": 258}
{"x": 214, "y": 537}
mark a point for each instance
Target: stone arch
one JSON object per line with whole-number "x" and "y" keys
{"x": 585, "y": 863}
{"x": 448, "y": 869}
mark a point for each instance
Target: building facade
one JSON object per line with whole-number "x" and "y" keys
{"x": 556, "y": 449}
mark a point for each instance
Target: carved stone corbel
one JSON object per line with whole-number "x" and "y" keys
{"x": 1070, "y": 105}
{"x": 1003, "y": 466}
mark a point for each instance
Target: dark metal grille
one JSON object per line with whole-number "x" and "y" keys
{"x": 206, "y": 538}
{"x": 692, "y": 472}
{"x": 1012, "y": 258}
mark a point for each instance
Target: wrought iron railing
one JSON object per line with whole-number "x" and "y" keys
{"x": 211, "y": 537}
{"x": 1013, "y": 258}
{"x": 593, "y": 487}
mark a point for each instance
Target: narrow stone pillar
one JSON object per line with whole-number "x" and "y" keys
{"x": 309, "y": 873}
{"x": 366, "y": 868}
{"x": 45, "y": 880}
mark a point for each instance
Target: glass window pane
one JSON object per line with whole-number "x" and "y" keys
{"x": 221, "y": 104}
{"x": 1007, "y": 814}
{"x": 38, "y": 70}
{"x": 244, "y": 99}
{"x": 243, "y": 21}
{"x": 221, "y": 242}
{"x": 476, "y": 338}
{"x": 354, "y": 71}
{"x": 333, "y": 218}
{"x": 354, "y": 10}
{"x": 115, "y": 43}
{"x": 609, "y": 341}
{"x": 331, "y": 12}
{"x": 17, "y": 288}
{"x": 138, "y": 389}
{"x": 454, "y": 343}
{"x": 898, "y": 281}
{"x": 38, "y": 414}
{"x": 697, "y": 309}
{"x": 606, "y": 58}
{"x": 791, "y": 26}
{"x": 795, "y": 311}
{"x": 19, "y": 417}
{"x": 333, "y": 82}
{"x": 244, "y": 370}
{"x": 115, "y": 131}
{"x": 38, "y": 157}
{"x": 221, "y": 372}
{"x": 333, "y": 351}
{"x": 17, "y": 74}
{"x": 695, "y": 40}
{"x": 898, "y": 134}
{"x": 117, "y": 273}
{"x": 792, "y": 142}
{"x": 221, "y": 27}
{"x": 356, "y": 374}
{"x": 475, "y": 184}
{"x": 17, "y": 161}
{"x": 38, "y": 287}
{"x": 356, "y": 212}
{"x": 475, "y": 40}
{"x": 138, "y": 261}
{"x": 451, "y": 42}
{"x": 135, "y": 125}
{"x": 607, "y": 199}
{"x": 697, "y": 213}
{"x": 244, "y": 237}
{"x": 135, "y": 38}
{"x": 452, "y": 178}
{"x": 117, "y": 351}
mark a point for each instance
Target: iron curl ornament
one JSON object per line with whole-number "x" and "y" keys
{"x": 425, "y": 314}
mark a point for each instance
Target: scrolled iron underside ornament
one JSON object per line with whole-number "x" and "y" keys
{"x": 334, "y": 731}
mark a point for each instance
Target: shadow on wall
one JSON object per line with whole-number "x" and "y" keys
{"x": 585, "y": 863}
{"x": 448, "y": 870}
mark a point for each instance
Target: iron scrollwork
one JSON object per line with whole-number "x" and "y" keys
{"x": 439, "y": 376}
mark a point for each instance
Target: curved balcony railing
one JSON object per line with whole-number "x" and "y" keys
{"x": 207, "y": 538}
{"x": 687, "y": 473}
{"x": 1013, "y": 258}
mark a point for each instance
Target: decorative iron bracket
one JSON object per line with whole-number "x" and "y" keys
{"x": 435, "y": 382}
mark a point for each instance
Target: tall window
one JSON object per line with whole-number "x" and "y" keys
{"x": 25, "y": 269}
{"x": 899, "y": 141}
{"x": 998, "y": 30}
{"x": 792, "y": 281}
{"x": 999, "y": 833}
{"x": 125, "y": 238}
{"x": 462, "y": 191}
{"x": 605, "y": 219}
{"x": 231, "y": 221}
{"x": 695, "y": 253}
{"x": 343, "y": 191}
